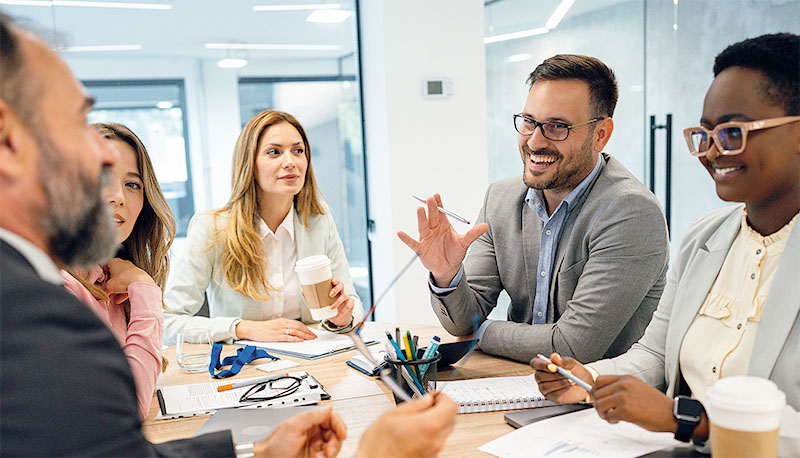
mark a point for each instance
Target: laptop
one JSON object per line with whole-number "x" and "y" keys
{"x": 250, "y": 425}
{"x": 522, "y": 418}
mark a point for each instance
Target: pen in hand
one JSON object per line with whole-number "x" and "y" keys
{"x": 566, "y": 373}
{"x": 446, "y": 212}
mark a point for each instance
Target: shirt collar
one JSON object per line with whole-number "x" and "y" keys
{"x": 535, "y": 197}
{"x": 41, "y": 262}
{"x": 754, "y": 238}
{"x": 287, "y": 224}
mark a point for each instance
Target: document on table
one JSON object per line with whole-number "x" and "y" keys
{"x": 326, "y": 343}
{"x": 581, "y": 433}
{"x": 203, "y": 398}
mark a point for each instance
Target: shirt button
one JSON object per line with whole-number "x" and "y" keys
{"x": 758, "y": 251}
{"x": 739, "y": 326}
{"x": 543, "y": 273}
{"x": 548, "y": 232}
{"x": 752, "y": 276}
{"x": 539, "y": 314}
{"x": 714, "y": 369}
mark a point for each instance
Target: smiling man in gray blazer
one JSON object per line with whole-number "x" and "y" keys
{"x": 578, "y": 243}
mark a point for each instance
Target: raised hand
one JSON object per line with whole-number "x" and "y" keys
{"x": 555, "y": 386}
{"x": 122, "y": 273}
{"x": 440, "y": 248}
{"x": 275, "y": 330}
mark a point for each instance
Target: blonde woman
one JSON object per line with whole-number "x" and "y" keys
{"x": 126, "y": 292}
{"x": 243, "y": 255}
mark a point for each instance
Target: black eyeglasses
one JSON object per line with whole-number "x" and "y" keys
{"x": 277, "y": 388}
{"x": 556, "y": 131}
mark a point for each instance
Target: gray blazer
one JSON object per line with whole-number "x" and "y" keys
{"x": 610, "y": 269}
{"x": 776, "y": 350}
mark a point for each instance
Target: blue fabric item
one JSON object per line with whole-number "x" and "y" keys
{"x": 242, "y": 357}
{"x": 551, "y": 234}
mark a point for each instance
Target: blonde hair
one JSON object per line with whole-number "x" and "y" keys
{"x": 148, "y": 244}
{"x": 243, "y": 265}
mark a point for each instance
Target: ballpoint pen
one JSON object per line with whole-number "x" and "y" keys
{"x": 446, "y": 212}
{"x": 566, "y": 373}
{"x": 250, "y": 382}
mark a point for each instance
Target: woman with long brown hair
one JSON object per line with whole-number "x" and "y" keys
{"x": 243, "y": 255}
{"x": 126, "y": 293}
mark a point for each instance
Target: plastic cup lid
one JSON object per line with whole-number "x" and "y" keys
{"x": 312, "y": 262}
{"x": 747, "y": 393}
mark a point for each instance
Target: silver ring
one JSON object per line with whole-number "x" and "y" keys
{"x": 286, "y": 331}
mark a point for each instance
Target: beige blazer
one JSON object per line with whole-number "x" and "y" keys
{"x": 194, "y": 272}
{"x": 776, "y": 351}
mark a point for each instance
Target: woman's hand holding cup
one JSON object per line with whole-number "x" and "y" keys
{"x": 343, "y": 304}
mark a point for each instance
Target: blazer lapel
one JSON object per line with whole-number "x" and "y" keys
{"x": 780, "y": 310}
{"x": 700, "y": 275}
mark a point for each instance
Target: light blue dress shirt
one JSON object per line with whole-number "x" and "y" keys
{"x": 551, "y": 234}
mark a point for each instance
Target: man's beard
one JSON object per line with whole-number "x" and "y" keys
{"x": 76, "y": 221}
{"x": 566, "y": 175}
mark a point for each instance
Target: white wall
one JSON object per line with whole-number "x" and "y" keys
{"x": 416, "y": 145}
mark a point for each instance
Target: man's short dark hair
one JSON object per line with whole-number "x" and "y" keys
{"x": 777, "y": 56}
{"x": 602, "y": 83}
{"x": 13, "y": 88}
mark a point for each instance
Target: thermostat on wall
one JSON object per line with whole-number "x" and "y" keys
{"x": 437, "y": 88}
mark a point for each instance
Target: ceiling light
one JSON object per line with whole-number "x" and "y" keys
{"x": 272, "y": 47}
{"x": 519, "y": 57}
{"x": 329, "y": 16}
{"x": 100, "y": 48}
{"x": 559, "y": 13}
{"x": 231, "y": 62}
{"x": 164, "y": 105}
{"x": 319, "y": 6}
{"x": 515, "y": 35}
{"x": 138, "y": 6}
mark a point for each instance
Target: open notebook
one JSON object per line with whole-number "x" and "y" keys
{"x": 494, "y": 393}
{"x": 326, "y": 344}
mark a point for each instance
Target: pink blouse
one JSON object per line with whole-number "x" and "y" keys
{"x": 140, "y": 338}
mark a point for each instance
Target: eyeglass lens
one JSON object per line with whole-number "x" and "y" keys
{"x": 729, "y": 138}
{"x": 551, "y": 130}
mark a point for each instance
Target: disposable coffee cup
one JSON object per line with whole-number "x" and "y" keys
{"x": 315, "y": 277}
{"x": 744, "y": 415}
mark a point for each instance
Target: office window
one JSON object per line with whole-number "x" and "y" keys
{"x": 154, "y": 111}
{"x": 328, "y": 108}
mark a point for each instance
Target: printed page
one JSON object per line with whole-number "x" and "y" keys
{"x": 581, "y": 433}
{"x": 326, "y": 342}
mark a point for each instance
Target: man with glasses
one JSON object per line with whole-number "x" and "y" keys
{"x": 579, "y": 245}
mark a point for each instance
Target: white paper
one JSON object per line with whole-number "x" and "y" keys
{"x": 581, "y": 433}
{"x": 279, "y": 365}
{"x": 352, "y": 386}
{"x": 326, "y": 342}
{"x": 494, "y": 393}
{"x": 196, "y": 398}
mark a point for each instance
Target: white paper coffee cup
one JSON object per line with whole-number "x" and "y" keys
{"x": 745, "y": 415}
{"x": 314, "y": 273}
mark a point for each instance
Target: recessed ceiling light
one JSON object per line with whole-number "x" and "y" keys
{"x": 231, "y": 62}
{"x": 165, "y": 105}
{"x": 100, "y": 48}
{"x": 318, "y": 6}
{"x": 329, "y": 16}
{"x": 519, "y": 57}
{"x": 272, "y": 47}
{"x": 515, "y": 35}
{"x": 137, "y": 6}
{"x": 559, "y": 13}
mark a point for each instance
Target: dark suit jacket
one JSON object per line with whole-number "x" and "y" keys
{"x": 65, "y": 385}
{"x": 609, "y": 271}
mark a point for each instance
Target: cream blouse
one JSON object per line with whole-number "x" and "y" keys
{"x": 719, "y": 341}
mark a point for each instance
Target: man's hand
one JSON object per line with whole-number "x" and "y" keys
{"x": 555, "y": 386}
{"x": 440, "y": 248}
{"x": 414, "y": 429}
{"x": 314, "y": 434}
{"x": 276, "y": 330}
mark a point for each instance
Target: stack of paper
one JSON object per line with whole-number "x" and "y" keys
{"x": 326, "y": 343}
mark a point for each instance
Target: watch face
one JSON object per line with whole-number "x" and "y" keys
{"x": 689, "y": 409}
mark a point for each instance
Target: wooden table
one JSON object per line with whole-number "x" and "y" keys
{"x": 357, "y": 411}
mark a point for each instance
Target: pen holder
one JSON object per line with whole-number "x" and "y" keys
{"x": 401, "y": 372}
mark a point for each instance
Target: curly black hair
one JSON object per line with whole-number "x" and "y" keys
{"x": 777, "y": 56}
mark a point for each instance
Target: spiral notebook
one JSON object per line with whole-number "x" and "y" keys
{"x": 494, "y": 393}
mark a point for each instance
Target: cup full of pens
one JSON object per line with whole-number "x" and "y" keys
{"x": 414, "y": 368}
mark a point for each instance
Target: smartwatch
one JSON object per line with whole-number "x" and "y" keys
{"x": 687, "y": 412}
